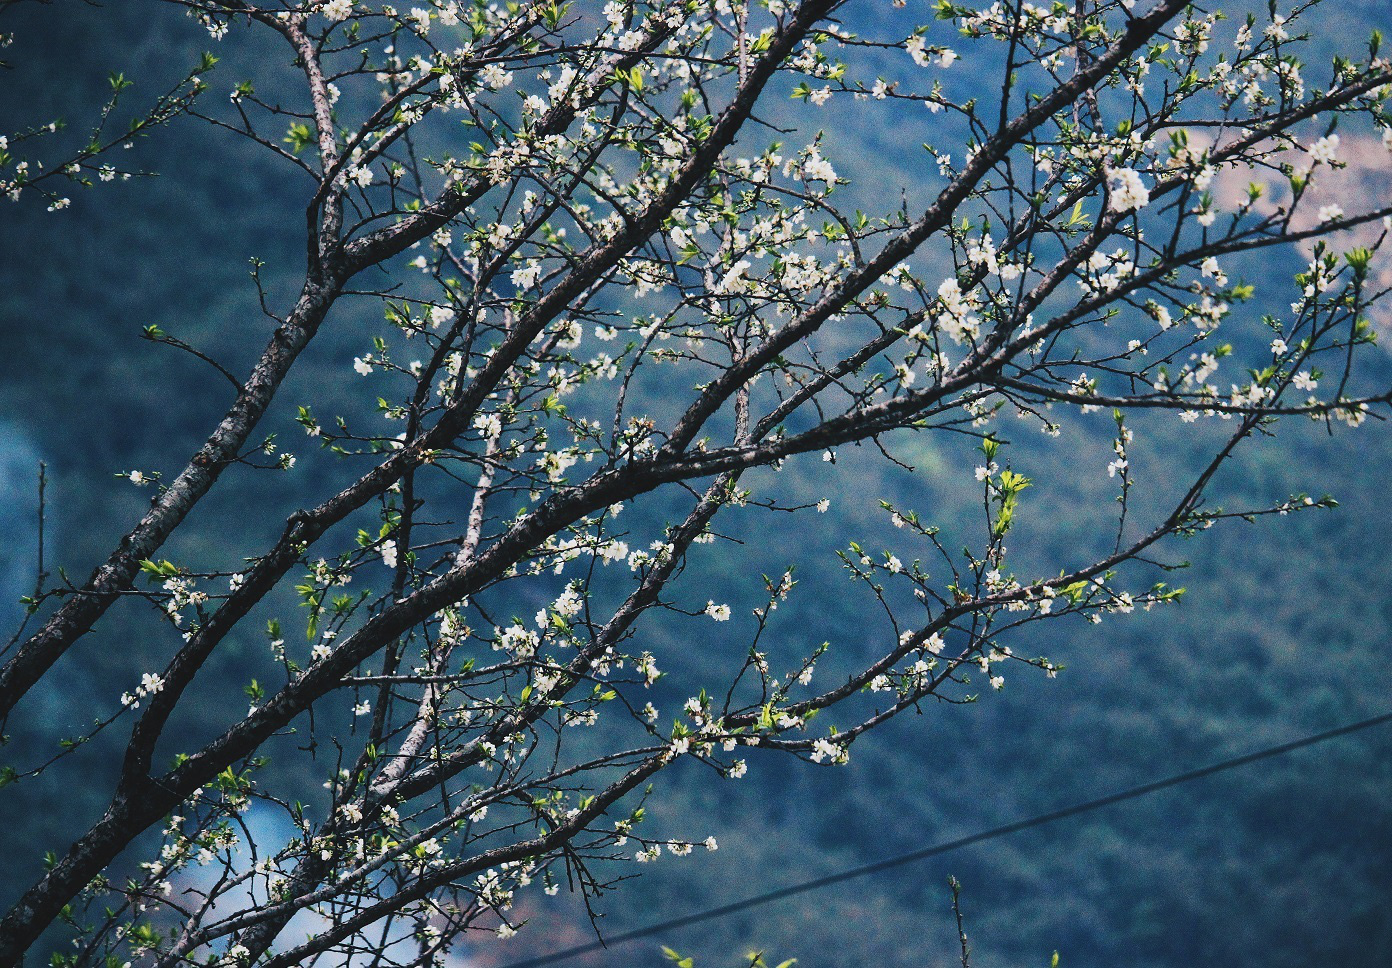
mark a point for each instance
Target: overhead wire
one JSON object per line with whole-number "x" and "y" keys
{"x": 934, "y": 850}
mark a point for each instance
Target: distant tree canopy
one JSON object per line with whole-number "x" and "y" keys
{"x": 615, "y": 284}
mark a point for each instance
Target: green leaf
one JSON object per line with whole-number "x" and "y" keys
{"x": 159, "y": 569}
{"x": 299, "y": 137}
{"x": 681, "y": 962}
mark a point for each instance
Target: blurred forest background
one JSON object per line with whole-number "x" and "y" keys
{"x": 1285, "y": 630}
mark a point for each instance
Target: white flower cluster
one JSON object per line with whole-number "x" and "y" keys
{"x": 1129, "y": 193}
{"x": 824, "y": 750}
{"x": 150, "y": 683}
{"x": 956, "y": 319}
{"x": 337, "y": 10}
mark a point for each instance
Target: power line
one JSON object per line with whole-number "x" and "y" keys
{"x": 865, "y": 870}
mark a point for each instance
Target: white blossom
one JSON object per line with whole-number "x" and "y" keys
{"x": 1128, "y": 191}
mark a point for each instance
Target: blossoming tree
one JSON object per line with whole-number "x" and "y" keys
{"x": 616, "y": 275}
